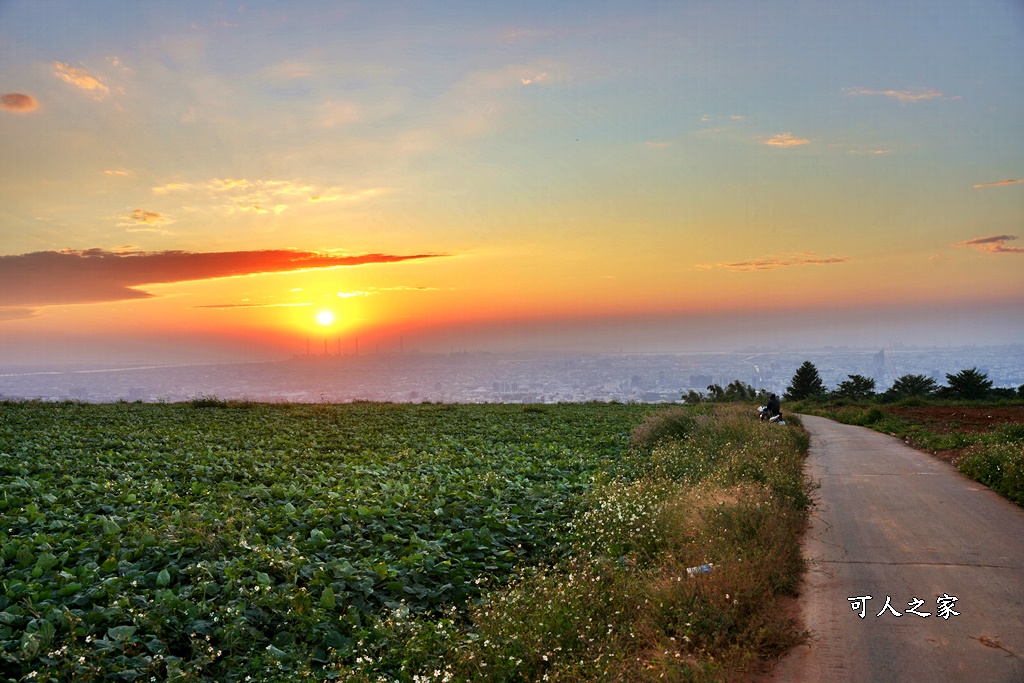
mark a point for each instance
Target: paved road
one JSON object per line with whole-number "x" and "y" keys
{"x": 894, "y": 522}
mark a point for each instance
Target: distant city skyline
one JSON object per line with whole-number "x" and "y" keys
{"x": 488, "y": 377}
{"x": 209, "y": 182}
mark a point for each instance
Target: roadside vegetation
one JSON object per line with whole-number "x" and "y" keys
{"x": 708, "y": 487}
{"x": 224, "y": 541}
{"x": 968, "y": 422}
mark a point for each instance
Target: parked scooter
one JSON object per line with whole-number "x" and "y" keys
{"x": 766, "y": 415}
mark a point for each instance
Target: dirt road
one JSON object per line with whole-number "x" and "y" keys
{"x": 896, "y": 524}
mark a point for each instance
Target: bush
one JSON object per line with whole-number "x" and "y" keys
{"x": 1000, "y": 467}
{"x": 675, "y": 423}
{"x": 873, "y": 416}
{"x": 207, "y": 401}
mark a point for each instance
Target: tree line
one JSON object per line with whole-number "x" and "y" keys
{"x": 806, "y": 384}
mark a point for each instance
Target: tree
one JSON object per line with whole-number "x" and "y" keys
{"x": 913, "y": 385}
{"x": 806, "y": 382}
{"x": 968, "y": 385}
{"x": 716, "y": 392}
{"x": 740, "y": 391}
{"x": 693, "y": 396}
{"x": 856, "y": 387}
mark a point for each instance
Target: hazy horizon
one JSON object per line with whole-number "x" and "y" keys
{"x": 864, "y": 329}
{"x": 193, "y": 183}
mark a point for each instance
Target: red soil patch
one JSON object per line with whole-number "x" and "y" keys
{"x": 970, "y": 419}
{"x": 957, "y": 419}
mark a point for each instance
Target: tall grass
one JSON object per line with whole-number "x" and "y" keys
{"x": 620, "y": 605}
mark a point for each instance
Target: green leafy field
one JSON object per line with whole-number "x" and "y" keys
{"x": 211, "y": 541}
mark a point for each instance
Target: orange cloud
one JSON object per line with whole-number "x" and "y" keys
{"x": 80, "y": 78}
{"x": 141, "y": 220}
{"x": 786, "y": 140}
{"x": 996, "y": 244}
{"x": 229, "y": 306}
{"x": 18, "y": 102}
{"x": 16, "y": 314}
{"x": 50, "y": 278}
{"x": 147, "y": 217}
{"x": 773, "y": 262}
{"x": 901, "y": 95}
{"x": 1001, "y": 182}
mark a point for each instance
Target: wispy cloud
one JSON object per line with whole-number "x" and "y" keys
{"x": 145, "y": 217}
{"x": 773, "y": 262}
{"x": 172, "y": 187}
{"x": 16, "y": 314}
{"x": 786, "y": 140}
{"x": 228, "y": 306}
{"x": 1001, "y": 182}
{"x": 234, "y": 195}
{"x": 98, "y": 275}
{"x": 708, "y": 118}
{"x": 337, "y": 194}
{"x": 141, "y": 220}
{"x": 531, "y": 79}
{"x": 996, "y": 244}
{"x": 901, "y": 95}
{"x": 18, "y": 102}
{"x": 80, "y": 78}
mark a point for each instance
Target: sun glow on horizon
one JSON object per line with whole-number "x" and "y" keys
{"x": 325, "y": 318}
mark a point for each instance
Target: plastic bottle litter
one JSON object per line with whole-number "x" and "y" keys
{"x": 701, "y": 569}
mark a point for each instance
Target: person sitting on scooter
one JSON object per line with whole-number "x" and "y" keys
{"x": 774, "y": 406}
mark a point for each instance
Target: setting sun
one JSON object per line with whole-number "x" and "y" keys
{"x": 506, "y": 181}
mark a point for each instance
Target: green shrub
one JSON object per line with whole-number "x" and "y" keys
{"x": 674, "y": 423}
{"x": 1013, "y": 432}
{"x": 1000, "y": 467}
{"x": 207, "y": 401}
{"x": 873, "y": 416}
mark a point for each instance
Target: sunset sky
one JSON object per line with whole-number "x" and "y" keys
{"x": 201, "y": 181}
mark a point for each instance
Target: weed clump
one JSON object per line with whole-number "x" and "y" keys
{"x": 675, "y": 423}
{"x": 207, "y": 401}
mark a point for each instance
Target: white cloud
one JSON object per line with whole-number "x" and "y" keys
{"x": 901, "y": 95}
{"x": 233, "y": 195}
